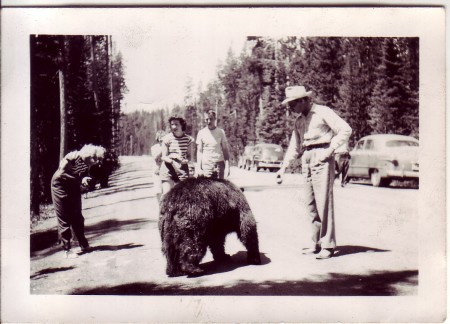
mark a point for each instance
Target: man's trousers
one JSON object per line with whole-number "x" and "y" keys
{"x": 66, "y": 198}
{"x": 318, "y": 197}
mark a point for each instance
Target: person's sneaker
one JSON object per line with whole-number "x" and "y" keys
{"x": 69, "y": 254}
{"x": 311, "y": 250}
{"x": 325, "y": 254}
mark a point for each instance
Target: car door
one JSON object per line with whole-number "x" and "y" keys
{"x": 356, "y": 167}
{"x": 369, "y": 160}
{"x": 256, "y": 154}
{"x": 373, "y": 154}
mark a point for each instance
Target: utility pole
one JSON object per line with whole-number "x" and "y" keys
{"x": 131, "y": 145}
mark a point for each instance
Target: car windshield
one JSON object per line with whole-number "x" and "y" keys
{"x": 272, "y": 149}
{"x": 398, "y": 143}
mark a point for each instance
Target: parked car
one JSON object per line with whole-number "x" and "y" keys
{"x": 385, "y": 157}
{"x": 266, "y": 156}
{"x": 246, "y": 156}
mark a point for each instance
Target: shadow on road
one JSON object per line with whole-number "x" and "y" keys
{"x": 43, "y": 240}
{"x": 270, "y": 187}
{"x": 113, "y": 247}
{"x": 238, "y": 260}
{"x": 353, "y": 249}
{"x": 118, "y": 202}
{"x": 395, "y": 184}
{"x": 47, "y": 271}
{"x": 113, "y": 188}
{"x": 333, "y": 284}
{"x": 47, "y": 241}
{"x": 111, "y": 225}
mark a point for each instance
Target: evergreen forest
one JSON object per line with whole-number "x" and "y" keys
{"x": 77, "y": 84}
{"x": 373, "y": 83}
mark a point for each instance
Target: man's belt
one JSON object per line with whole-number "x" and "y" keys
{"x": 343, "y": 154}
{"x": 316, "y": 146}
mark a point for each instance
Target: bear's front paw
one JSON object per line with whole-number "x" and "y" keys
{"x": 193, "y": 271}
{"x": 172, "y": 274}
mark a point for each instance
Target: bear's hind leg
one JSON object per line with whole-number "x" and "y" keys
{"x": 217, "y": 247}
{"x": 249, "y": 237}
{"x": 169, "y": 247}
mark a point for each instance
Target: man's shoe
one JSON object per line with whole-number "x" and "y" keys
{"x": 313, "y": 250}
{"x": 84, "y": 250}
{"x": 68, "y": 254}
{"x": 325, "y": 254}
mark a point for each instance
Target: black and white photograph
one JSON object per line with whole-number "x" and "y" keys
{"x": 223, "y": 164}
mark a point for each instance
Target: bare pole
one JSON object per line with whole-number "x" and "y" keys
{"x": 62, "y": 109}
{"x": 94, "y": 72}
{"x": 111, "y": 93}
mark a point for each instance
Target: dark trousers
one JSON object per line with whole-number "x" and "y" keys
{"x": 343, "y": 163}
{"x": 67, "y": 202}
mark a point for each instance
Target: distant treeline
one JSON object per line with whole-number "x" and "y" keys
{"x": 373, "y": 83}
{"x": 77, "y": 85}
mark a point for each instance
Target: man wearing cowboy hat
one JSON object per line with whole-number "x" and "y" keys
{"x": 318, "y": 131}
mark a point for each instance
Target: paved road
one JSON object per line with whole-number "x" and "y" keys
{"x": 376, "y": 232}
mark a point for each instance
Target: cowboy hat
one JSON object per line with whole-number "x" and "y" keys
{"x": 294, "y": 93}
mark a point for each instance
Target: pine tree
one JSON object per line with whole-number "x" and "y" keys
{"x": 71, "y": 57}
{"x": 390, "y": 98}
{"x": 357, "y": 77}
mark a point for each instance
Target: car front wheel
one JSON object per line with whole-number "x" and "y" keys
{"x": 376, "y": 179}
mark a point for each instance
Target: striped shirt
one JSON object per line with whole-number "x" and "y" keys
{"x": 177, "y": 147}
{"x": 79, "y": 167}
{"x": 75, "y": 165}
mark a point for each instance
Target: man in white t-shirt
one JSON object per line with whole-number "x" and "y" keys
{"x": 212, "y": 149}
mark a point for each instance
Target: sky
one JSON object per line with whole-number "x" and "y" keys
{"x": 158, "y": 65}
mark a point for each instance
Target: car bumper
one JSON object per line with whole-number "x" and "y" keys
{"x": 265, "y": 164}
{"x": 402, "y": 174}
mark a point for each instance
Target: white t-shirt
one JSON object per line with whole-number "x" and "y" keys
{"x": 211, "y": 142}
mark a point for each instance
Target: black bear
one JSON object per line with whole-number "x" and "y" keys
{"x": 198, "y": 213}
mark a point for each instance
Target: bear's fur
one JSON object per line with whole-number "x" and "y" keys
{"x": 198, "y": 213}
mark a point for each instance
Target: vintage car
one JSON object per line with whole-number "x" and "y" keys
{"x": 265, "y": 156}
{"x": 385, "y": 157}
